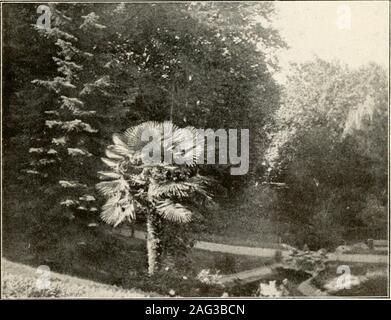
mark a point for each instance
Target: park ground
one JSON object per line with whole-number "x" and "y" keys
{"x": 90, "y": 262}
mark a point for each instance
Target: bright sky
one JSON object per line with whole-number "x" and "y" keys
{"x": 354, "y": 32}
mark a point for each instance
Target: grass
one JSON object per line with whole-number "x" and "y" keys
{"x": 259, "y": 233}
{"x": 235, "y": 238}
{"x": 87, "y": 253}
{"x": 226, "y": 263}
{"x": 367, "y": 251}
{"x": 20, "y": 281}
{"x": 376, "y": 286}
{"x": 238, "y": 226}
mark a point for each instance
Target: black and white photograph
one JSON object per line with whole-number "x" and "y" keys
{"x": 195, "y": 149}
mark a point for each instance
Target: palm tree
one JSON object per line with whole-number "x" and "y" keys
{"x": 161, "y": 189}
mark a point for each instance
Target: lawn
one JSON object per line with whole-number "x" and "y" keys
{"x": 20, "y": 281}
{"x": 376, "y": 286}
{"x": 236, "y": 226}
{"x": 260, "y": 233}
{"x": 226, "y": 263}
{"x": 88, "y": 254}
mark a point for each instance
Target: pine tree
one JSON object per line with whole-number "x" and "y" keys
{"x": 62, "y": 155}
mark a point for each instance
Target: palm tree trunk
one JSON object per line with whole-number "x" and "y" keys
{"x": 154, "y": 247}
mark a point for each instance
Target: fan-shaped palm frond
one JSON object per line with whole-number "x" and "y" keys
{"x": 201, "y": 185}
{"x": 108, "y": 188}
{"x": 181, "y": 145}
{"x": 136, "y": 180}
{"x": 118, "y": 208}
{"x": 119, "y": 148}
{"x": 110, "y": 163}
{"x": 114, "y": 214}
{"x": 189, "y": 146}
{"x": 169, "y": 189}
{"x": 113, "y": 155}
{"x": 134, "y": 137}
{"x": 179, "y": 189}
{"x": 174, "y": 211}
{"x": 109, "y": 175}
{"x": 184, "y": 144}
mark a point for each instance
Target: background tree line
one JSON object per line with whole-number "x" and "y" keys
{"x": 328, "y": 144}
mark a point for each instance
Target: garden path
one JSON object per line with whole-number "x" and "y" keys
{"x": 264, "y": 252}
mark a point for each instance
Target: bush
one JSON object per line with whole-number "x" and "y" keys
{"x": 374, "y": 216}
